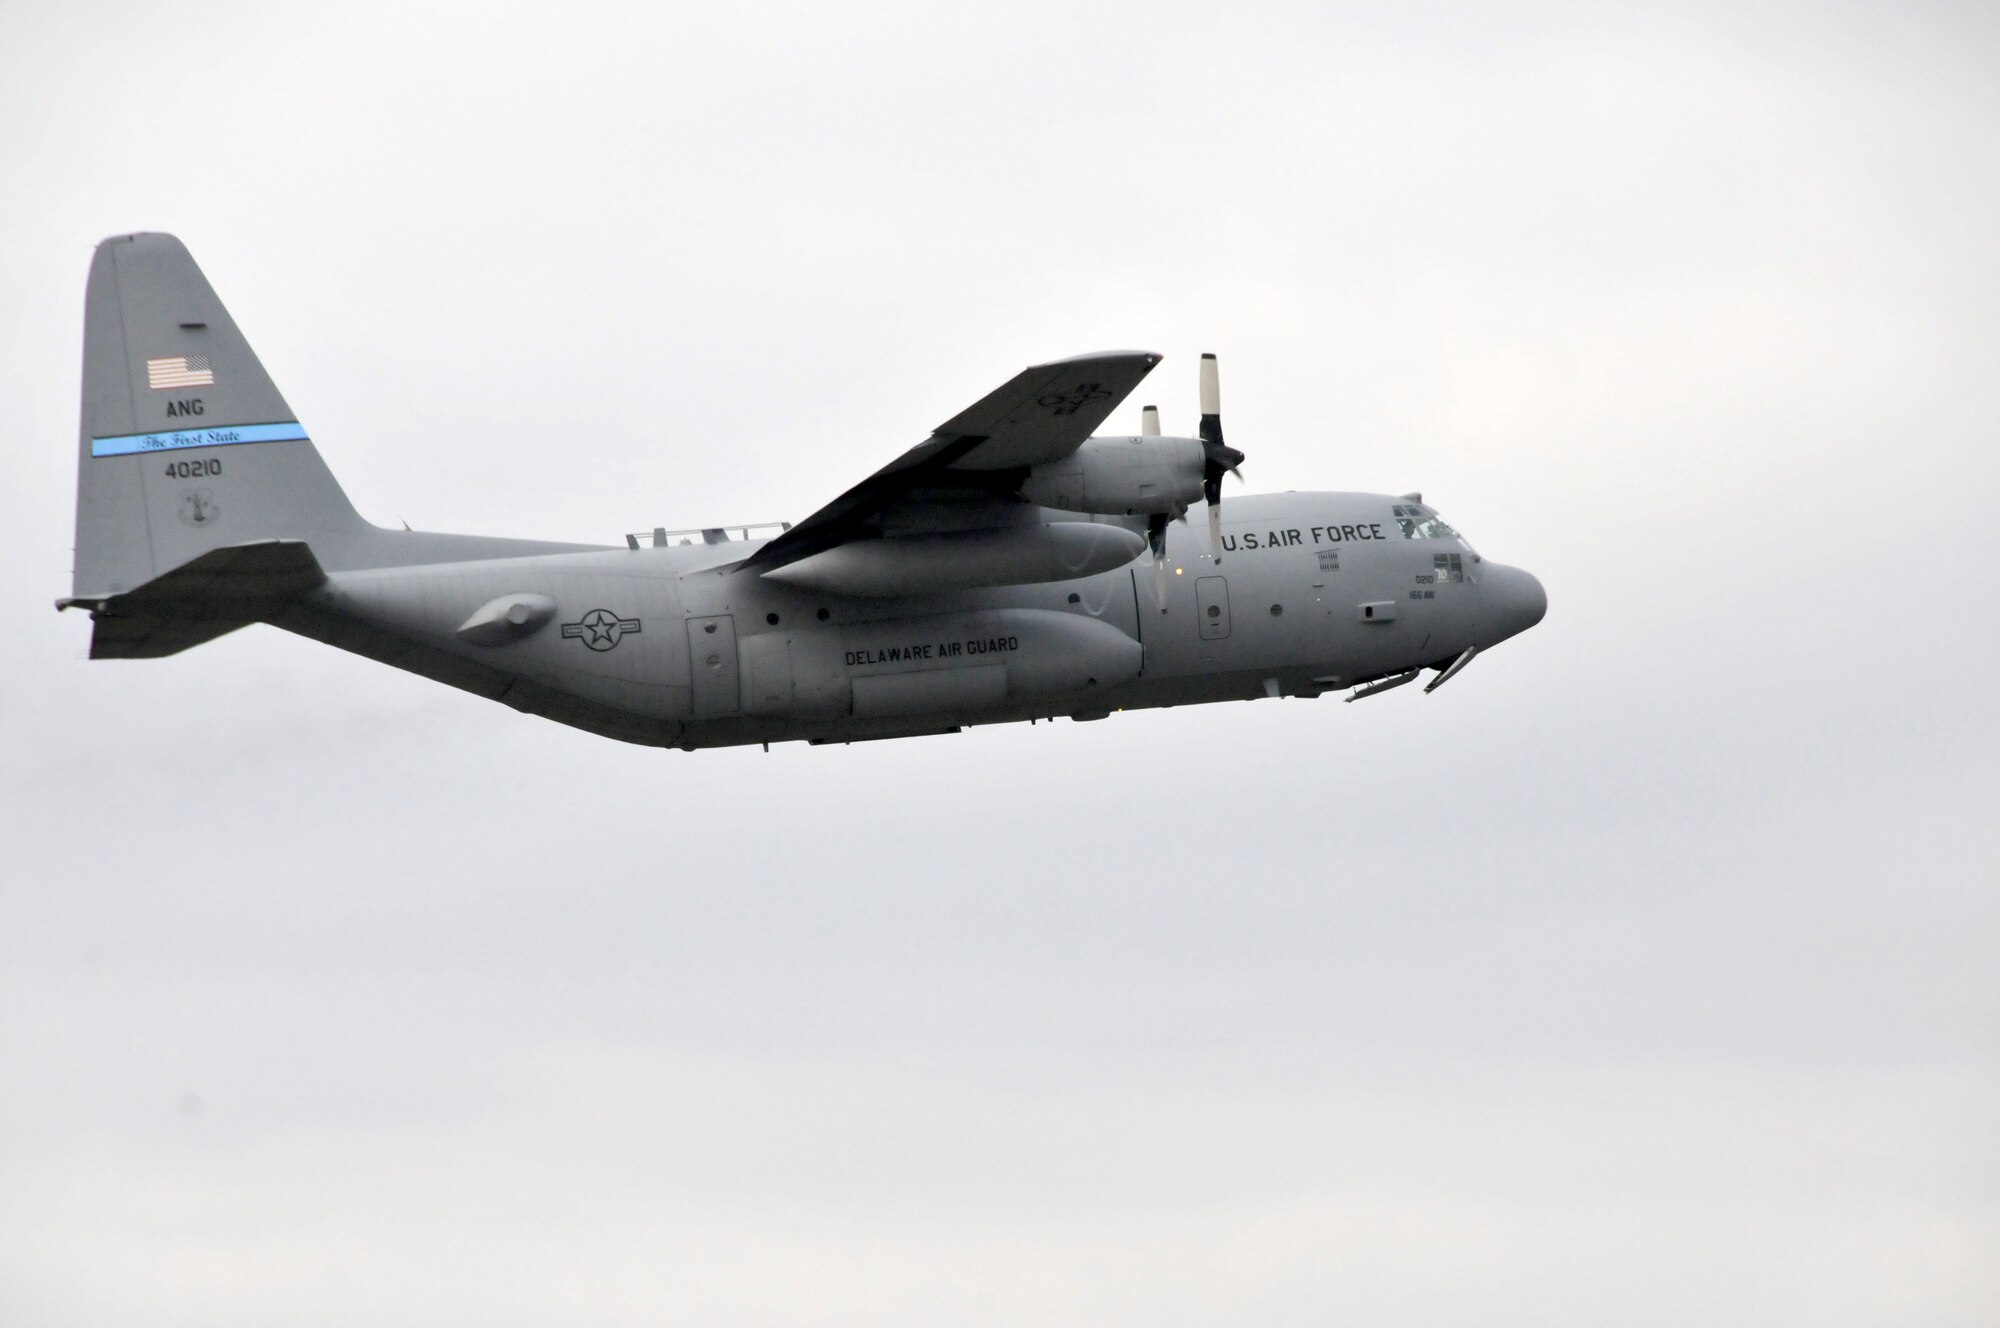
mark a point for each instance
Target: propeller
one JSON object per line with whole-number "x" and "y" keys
{"x": 1156, "y": 539}
{"x": 1218, "y": 458}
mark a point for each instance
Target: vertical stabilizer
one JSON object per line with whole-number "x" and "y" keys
{"x": 186, "y": 444}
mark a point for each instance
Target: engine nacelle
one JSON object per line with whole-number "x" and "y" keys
{"x": 963, "y": 560}
{"x": 1121, "y": 477}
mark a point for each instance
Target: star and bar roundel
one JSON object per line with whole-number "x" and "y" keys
{"x": 600, "y": 629}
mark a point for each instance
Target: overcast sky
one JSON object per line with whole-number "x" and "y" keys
{"x": 1643, "y": 975}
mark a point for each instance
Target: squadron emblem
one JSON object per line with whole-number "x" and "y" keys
{"x": 600, "y": 629}
{"x": 198, "y": 508}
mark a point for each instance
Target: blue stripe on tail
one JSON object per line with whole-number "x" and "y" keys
{"x": 290, "y": 431}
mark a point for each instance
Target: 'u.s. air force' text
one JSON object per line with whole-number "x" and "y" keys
{"x": 984, "y": 645}
{"x": 1294, "y": 537}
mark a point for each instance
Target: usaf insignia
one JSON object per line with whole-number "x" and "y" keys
{"x": 1069, "y": 403}
{"x": 600, "y": 629}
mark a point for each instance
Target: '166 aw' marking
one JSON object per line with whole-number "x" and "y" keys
{"x": 600, "y": 629}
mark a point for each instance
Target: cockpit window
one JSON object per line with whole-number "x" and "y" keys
{"x": 1419, "y": 522}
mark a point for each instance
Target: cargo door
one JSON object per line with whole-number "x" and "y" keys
{"x": 1211, "y": 607}
{"x": 712, "y": 660}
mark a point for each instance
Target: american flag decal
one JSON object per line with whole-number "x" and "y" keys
{"x": 179, "y": 371}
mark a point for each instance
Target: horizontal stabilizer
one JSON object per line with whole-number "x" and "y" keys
{"x": 215, "y": 594}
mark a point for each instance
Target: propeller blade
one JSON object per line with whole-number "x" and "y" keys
{"x": 1156, "y": 538}
{"x": 1149, "y": 422}
{"x": 1211, "y": 400}
{"x": 1218, "y": 458}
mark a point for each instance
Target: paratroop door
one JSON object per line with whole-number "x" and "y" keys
{"x": 767, "y": 673}
{"x": 718, "y": 690}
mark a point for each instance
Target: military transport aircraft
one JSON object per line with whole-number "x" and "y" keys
{"x": 1011, "y": 566}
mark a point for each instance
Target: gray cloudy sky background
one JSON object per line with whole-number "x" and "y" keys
{"x": 1643, "y": 975}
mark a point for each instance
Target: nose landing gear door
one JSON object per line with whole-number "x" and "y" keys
{"x": 712, "y": 655}
{"x": 1211, "y": 607}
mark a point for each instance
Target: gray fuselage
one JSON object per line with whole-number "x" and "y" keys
{"x": 672, "y": 646}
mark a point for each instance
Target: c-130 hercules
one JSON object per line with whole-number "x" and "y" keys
{"x": 995, "y": 572}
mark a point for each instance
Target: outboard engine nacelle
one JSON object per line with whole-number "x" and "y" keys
{"x": 1138, "y": 476}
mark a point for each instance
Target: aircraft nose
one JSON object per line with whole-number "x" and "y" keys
{"x": 1515, "y": 600}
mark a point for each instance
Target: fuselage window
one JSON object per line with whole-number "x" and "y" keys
{"x": 1450, "y": 566}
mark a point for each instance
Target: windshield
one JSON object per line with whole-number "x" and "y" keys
{"x": 1419, "y": 522}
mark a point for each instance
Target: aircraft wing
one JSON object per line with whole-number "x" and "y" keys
{"x": 978, "y": 457}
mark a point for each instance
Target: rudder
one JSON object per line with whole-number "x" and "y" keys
{"x": 186, "y": 445}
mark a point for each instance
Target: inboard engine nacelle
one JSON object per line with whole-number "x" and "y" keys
{"x": 928, "y": 564}
{"x": 1136, "y": 476}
